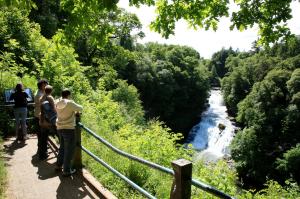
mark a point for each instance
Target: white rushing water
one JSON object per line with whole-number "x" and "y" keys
{"x": 207, "y": 137}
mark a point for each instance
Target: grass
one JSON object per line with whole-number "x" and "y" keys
{"x": 3, "y": 173}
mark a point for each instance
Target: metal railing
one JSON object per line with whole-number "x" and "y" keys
{"x": 8, "y": 108}
{"x": 12, "y": 105}
{"x": 182, "y": 172}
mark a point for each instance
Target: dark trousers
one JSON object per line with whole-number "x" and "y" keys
{"x": 42, "y": 143}
{"x": 37, "y": 130}
{"x": 20, "y": 116}
{"x": 66, "y": 148}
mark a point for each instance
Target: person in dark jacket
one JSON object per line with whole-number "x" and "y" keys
{"x": 20, "y": 110}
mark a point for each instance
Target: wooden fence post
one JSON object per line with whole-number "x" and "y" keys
{"x": 181, "y": 188}
{"x": 77, "y": 161}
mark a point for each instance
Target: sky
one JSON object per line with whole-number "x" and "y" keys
{"x": 206, "y": 42}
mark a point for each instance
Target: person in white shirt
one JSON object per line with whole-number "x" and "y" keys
{"x": 65, "y": 123}
{"x": 37, "y": 107}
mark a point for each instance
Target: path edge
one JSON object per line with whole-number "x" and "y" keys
{"x": 88, "y": 178}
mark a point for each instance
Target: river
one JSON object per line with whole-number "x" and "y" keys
{"x": 209, "y": 137}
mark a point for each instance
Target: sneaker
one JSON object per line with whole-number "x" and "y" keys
{"x": 66, "y": 174}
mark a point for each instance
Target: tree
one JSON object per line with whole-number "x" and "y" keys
{"x": 172, "y": 83}
{"x": 270, "y": 16}
{"x": 272, "y": 120}
{"x": 20, "y": 40}
{"x": 49, "y": 15}
{"x": 125, "y": 24}
{"x": 243, "y": 73}
{"x": 217, "y": 64}
{"x": 290, "y": 163}
{"x": 285, "y": 49}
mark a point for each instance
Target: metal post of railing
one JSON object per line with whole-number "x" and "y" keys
{"x": 181, "y": 188}
{"x": 77, "y": 161}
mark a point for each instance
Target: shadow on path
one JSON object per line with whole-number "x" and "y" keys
{"x": 45, "y": 169}
{"x": 72, "y": 187}
{"x": 15, "y": 145}
{"x": 9, "y": 149}
{"x": 69, "y": 187}
{"x": 27, "y": 172}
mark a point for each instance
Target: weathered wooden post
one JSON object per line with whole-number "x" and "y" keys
{"x": 181, "y": 188}
{"x": 77, "y": 161}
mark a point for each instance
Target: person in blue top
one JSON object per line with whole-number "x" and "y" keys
{"x": 20, "y": 110}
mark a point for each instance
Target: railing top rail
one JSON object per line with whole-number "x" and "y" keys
{"x": 135, "y": 186}
{"x": 194, "y": 182}
{"x": 146, "y": 162}
{"x": 12, "y": 105}
{"x": 210, "y": 189}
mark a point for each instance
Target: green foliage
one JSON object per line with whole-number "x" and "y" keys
{"x": 88, "y": 17}
{"x": 110, "y": 120}
{"x": 235, "y": 87}
{"x": 148, "y": 139}
{"x": 271, "y": 16}
{"x": 264, "y": 93}
{"x": 125, "y": 24}
{"x": 9, "y": 81}
{"x": 21, "y": 44}
{"x": 218, "y": 175}
{"x": 171, "y": 77}
{"x": 152, "y": 142}
{"x": 166, "y": 76}
{"x": 286, "y": 49}
{"x": 293, "y": 85}
{"x": 128, "y": 96}
{"x": 270, "y": 125}
{"x": 275, "y": 190}
{"x": 217, "y": 63}
{"x": 20, "y": 4}
{"x": 263, "y": 14}
{"x": 60, "y": 67}
{"x": 204, "y": 14}
{"x": 246, "y": 152}
{"x": 49, "y": 16}
{"x": 291, "y": 162}
{"x": 244, "y": 72}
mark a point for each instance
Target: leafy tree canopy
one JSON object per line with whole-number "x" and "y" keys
{"x": 270, "y": 16}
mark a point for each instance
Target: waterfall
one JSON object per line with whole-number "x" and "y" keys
{"x": 212, "y": 136}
